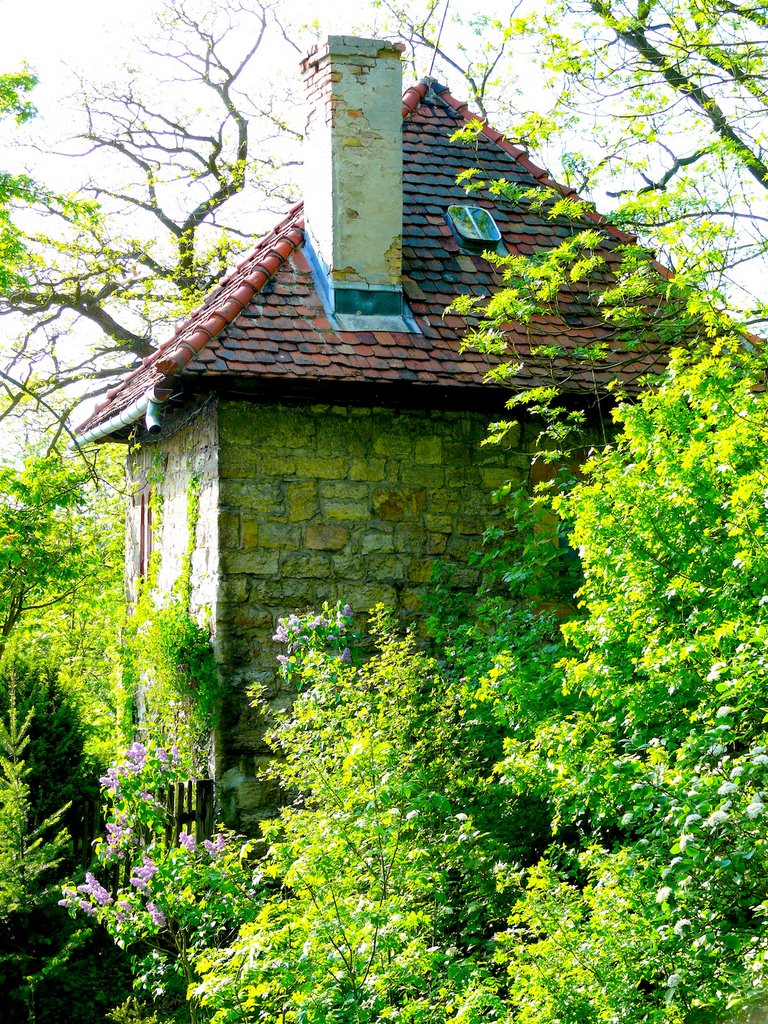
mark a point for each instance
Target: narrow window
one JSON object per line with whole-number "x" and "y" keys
{"x": 146, "y": 535}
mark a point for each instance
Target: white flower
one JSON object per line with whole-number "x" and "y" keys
{"x": 716, "y": 818}
{"x": 726, "y": 788}
{"x": 737, "y": 771}
{"x": 673, "y": 980}
{"x": 679, "y": 927}
{"x": 692, "y": 818}
{"x": 723, "y": 711}
{"x": 716, "y": 671}
{"x": 760, "y": 759}
{"x": 755, "y": 809}
{"x": 663, "y": 894}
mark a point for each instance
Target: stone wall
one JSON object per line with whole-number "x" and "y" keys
{"x": 332, "y": 503}
{"x": 188, "y": 449}
{"x": 300, "y": 505}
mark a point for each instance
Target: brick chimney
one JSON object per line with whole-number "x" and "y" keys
{"x": 353, "y": 196}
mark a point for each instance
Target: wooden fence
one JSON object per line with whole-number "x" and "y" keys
{"x": 189, "y": 806}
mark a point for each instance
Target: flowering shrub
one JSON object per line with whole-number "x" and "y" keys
{"x": 315, "y": 641}
{"x": 166, "y": 901}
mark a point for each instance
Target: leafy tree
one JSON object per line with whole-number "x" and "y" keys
{"x": 27, "y": 852}
{"x": 662, "y": 106}
{"x": 165, "y": 152}
{"x": 15, "y": 104}
{"x": 45, "y": 542}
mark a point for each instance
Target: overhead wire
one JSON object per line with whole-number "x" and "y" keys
{"x": 439, "y": 34}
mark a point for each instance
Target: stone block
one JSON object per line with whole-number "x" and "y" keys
{"x": 426, "y": 476}
{"x": 494, "y": 477}
{"x": 261, "y": 499}
{"x": 302, "y": 501}
{"x": 321, "y": 467}
{"x": 371, "y": 470}
{"x": 470, "y": 527}
{"x": 278, "y": 535}
{"x": 386, "y": 568}
{"x": 412, "y": 599}
{"x": 344, "y": 490}
{"x": 420, "y": 571}
{"x": 428, "y": 451}
{"x": 396, "y": 504}
{"x": 438, "y": 523}
{"x": 347, "y": 511}
{"x": 389, "y": 443}
{"x": 348, "y": 569}
{"x": 307, "y": 565}
{"x": 409, "y": 538}
{"x": 233, "y": 589}
{"x": 364, "y": 596}
{"x": 326, "y": 537}
{"x": 338, "y": 434}
{"x": 376, "y": 541}
{"x": 255, "y": 561}
{"x": 437, "y": 543}
{"x": 250, "y": 533}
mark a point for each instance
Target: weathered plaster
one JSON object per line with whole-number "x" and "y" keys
{"x": 354, "y": 138}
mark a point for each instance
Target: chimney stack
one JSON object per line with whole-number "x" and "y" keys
{"x": 353, "y": 197}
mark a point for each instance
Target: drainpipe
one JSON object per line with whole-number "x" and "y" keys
{"x": 147, "y": 406}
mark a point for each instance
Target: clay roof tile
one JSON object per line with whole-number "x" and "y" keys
{"x": 266, "y": 317}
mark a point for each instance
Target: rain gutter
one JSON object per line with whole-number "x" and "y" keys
{"x": 147, "y": 406}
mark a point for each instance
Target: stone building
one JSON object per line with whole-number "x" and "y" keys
{"x": 319, "y": 398}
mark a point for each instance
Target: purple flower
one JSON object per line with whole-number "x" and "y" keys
{"x": 70, "y": 897}
{"x": 346, "y": 611}
{"x": 162, "y": 755}
{"x": 283, "y": 659}
{"x": 141, "y": 876}
{"x": 137, "y": 756}
{"x": 217, "y": 846}
{"x": 156, "y": 914}
{"x": 188, "y": 842}
{"x": 111, "y": 780}
{"x": 95, "y": 890}
{"x": 175, "y": 754}
{"x": 346, "y": 655}
{"x": 123, "y": 909}
{"x": 281, "y": 633}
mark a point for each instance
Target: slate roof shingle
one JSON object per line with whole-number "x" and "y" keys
{"x": 266, "y": 319}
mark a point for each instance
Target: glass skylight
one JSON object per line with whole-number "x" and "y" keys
{"x": 474, "y": 227}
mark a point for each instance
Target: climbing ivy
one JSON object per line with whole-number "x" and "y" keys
{"x": 168, "y": 661}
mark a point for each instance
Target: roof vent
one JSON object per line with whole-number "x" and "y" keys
{"x": 474, "y": 228}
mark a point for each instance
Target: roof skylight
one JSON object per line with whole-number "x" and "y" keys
{"x": 474, "y": 228}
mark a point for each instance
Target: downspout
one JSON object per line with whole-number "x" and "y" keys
{"x": 147, "y": 406}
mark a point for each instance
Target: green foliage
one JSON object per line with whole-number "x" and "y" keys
{"x": 58, "y": 769}
{"x": 387, "y": 860}
{"x": 168, "y": 662}
{"x": 540, "y": 824}
{"x": 28, "y": 852}
{"x": 661, "y": 104}
{"x": 170, "y": 896}
{"x": 45, "y": 544}
{"x": 657, "y": 753}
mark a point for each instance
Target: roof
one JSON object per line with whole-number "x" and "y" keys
{"x": 265, "y": 322}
